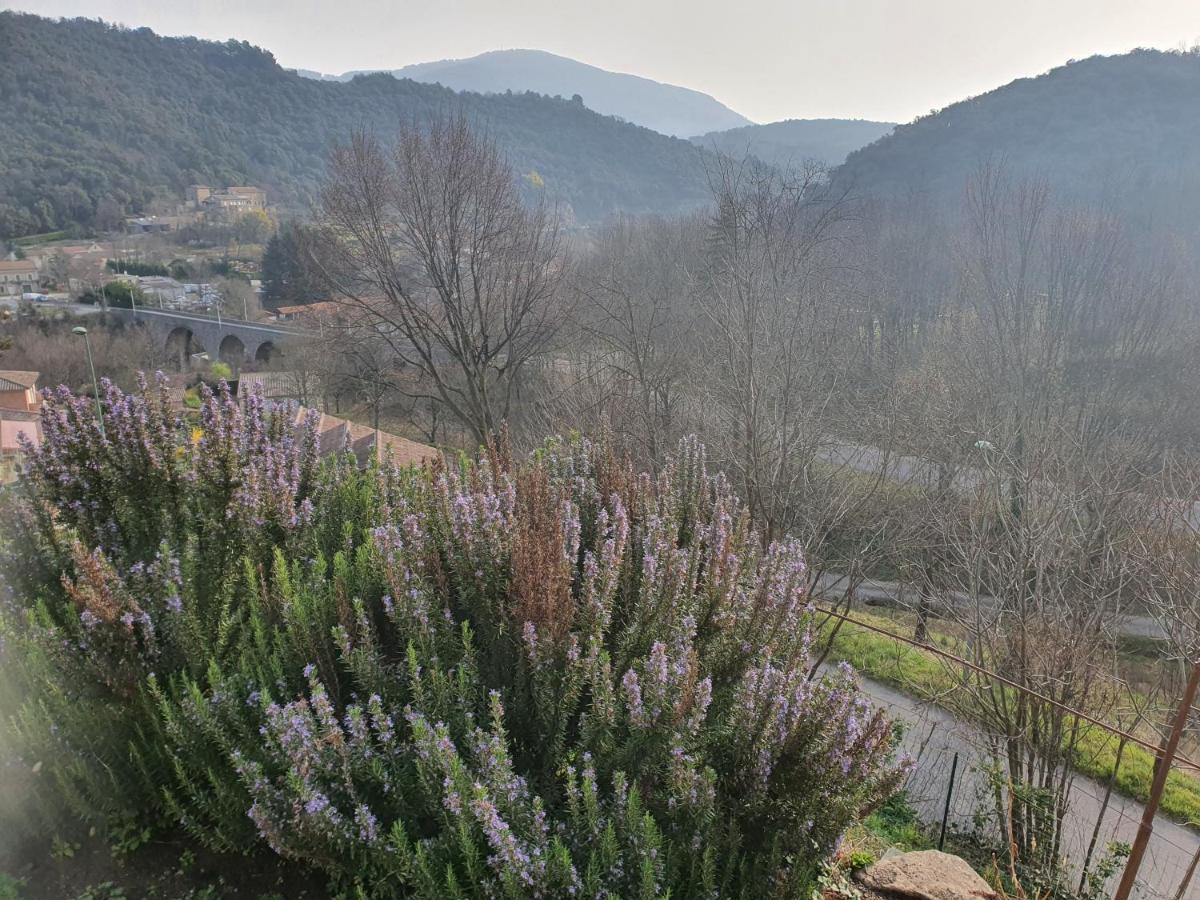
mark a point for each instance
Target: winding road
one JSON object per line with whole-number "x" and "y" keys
{"x": 933, "y": 737}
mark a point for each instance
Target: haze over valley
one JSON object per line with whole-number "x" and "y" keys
{"x": 540, "y": 449}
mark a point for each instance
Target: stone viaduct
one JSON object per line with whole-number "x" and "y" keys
{"x": 232, "y": 341}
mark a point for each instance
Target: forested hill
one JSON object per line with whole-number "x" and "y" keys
{"x": 795, "y": 141}
{"x": 1120, "y": 129}
{"x": 104, "y": 118}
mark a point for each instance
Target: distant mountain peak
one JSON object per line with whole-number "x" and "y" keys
{"x": 665, "y": 108}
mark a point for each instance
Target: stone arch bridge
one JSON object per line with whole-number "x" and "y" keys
{"x": 232, "y": 341}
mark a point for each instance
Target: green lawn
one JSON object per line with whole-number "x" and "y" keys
{"x": 922, "y": 674}
{"x": 30, "y": 239}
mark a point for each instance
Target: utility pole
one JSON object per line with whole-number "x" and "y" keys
{"x": 83, "y": 333}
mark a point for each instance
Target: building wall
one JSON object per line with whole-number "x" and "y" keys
{"x": 26, "y": 399}
{"x": 18, "y": 282}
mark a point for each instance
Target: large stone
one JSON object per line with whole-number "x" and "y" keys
{"x": 925, "y": 875}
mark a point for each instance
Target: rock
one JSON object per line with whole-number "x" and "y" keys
{"x": 925, "y": 875}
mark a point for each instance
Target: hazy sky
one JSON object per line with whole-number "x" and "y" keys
{"x": 767, "y": 59}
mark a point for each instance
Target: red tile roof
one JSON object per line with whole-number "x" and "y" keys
{"x": 335, "y": 434}
{"x": 17, "y": 380}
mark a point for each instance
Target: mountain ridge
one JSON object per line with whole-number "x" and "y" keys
{"x": 667, "y": 108}
{"x": 122, "y": 118}
{"x": 1122, "y": 130}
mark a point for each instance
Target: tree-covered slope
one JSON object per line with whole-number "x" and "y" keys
{"x": 666, "y": 108}
{"x": 795, "y": 141}
{"x": 102, "y": 118}
{"x": 1122, "y": 129}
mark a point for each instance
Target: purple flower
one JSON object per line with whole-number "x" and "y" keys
{"x": 316, "y": 804}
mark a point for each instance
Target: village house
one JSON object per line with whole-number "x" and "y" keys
{"x": 152, "y": 224}
{"x": 230, "y": 201}
{"x": 20, "y": 420}
{"x": 160, "y": 290}
{"x": 278, "y": 386}
{"x": 18, "y": 276}
{"x": 18, "y": 390}
{"x": 312, "y": 315}
{"x": 334, "y": 434}
{"x": 337, "y": 435}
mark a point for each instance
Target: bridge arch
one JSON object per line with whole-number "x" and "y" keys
{"x": 266, "y": 352}
{"x": 182, "y": 344}
{"x": 232, "y": 351}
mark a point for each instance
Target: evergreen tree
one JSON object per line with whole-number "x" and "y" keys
{"x": 291, "y": 275}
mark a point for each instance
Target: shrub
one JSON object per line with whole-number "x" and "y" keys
{"x": 481, "y": 679}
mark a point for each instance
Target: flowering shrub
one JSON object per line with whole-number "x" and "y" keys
{"x": 546, "y": 678}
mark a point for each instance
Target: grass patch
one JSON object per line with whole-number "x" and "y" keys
{"x": 30, "y": 239}
{"x": 895, "y": 824}
{"x": 1140, "y": 647}
{"x": 921, "y": 674}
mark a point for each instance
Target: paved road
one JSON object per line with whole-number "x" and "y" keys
{"x": 899, "y": 467}
{"x": 904, "y": 596}
{"x": 79, "y": 309}
{"x": 177, "y": 316}
{"x": 146, "y": 312}
{"x": 933, "y": 737}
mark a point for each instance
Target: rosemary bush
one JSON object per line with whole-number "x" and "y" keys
{"x": 493, "y": 678}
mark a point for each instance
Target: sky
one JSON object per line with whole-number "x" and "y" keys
{"x": 889, "y": 60}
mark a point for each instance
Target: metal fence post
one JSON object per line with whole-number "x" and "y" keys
{"x": 946, "y": 810}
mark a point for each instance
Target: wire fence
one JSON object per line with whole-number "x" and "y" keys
{"x": 973, "y": 800}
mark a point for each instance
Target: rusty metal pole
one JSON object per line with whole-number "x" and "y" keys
{"x": 1161, "y": 771}
{"x": 946, "y": 810}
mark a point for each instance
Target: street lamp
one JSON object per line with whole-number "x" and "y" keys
{"x": 83, "y": 333}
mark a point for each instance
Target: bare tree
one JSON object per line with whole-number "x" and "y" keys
{"x": 634, "y": 356}
{"x": 1036, "y": 526}
{"x": 777, "y": 364}
{"x": 446, "y": 264}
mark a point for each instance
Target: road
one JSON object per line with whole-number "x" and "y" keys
{"x": 171, "y": 315}
{"x": 903, "y": 596}
{"x": 180, "y": 317}
{"x": 933, "y": 737}
{"x": 79, "y": 309}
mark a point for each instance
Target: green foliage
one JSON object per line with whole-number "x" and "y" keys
{"x": 181, "y": 270}
{"x": 227, "y": 113}
{"x": 859, "y": 859}
{"x": 63, "y": 849}
{"x": 253, "y": 227}
{"x": 486, "y": 679}
{"x": 129, "y": 267}
{"x": 291, "y": 274}
{"x": 895, "y": 824}
{"x": 1096, "y": 887}
{"x": 105, "y": 891}
{"x": 31, "y": 240}
{"x": 834, "y": 881}
{"x": 126, "y": 836}
{"x": 122, "y": 295}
